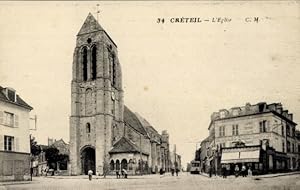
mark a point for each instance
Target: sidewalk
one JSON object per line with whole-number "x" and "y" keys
{"x": 260, "y": 176}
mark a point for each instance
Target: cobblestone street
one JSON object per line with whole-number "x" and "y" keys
{"x": 184, "y": 181}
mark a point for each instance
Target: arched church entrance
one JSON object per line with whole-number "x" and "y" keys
{"x": 88, "y": 158}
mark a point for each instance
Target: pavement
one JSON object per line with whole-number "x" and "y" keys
{"x": 186, "y": 181}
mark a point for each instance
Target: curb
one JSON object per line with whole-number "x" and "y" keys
{"x": 14, "y": 183}
{"x": 278, "y": 175}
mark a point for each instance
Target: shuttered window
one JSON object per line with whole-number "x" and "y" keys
{"x": 8, "y": 143}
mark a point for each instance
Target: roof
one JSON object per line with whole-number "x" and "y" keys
{"x": 124, "y": 145}
{"x": 131, "y": 120}
{"x": 19, "y": 101}
{"x": 90, "y": 25}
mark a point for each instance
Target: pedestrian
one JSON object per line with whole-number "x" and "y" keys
{"x": 236, "y": 170}
{"x": 172, "y": 171}
{"x": 224, "y": 171}
{"x": 90, "y": 173}
{"x": 249, "y": 172}
{"x": 161, "y": 172}
{"x": 124, "y": 173}
{"x": 118, "y": 174}
{"x": 244, "y": 170}
{"x": 177, "y": 170}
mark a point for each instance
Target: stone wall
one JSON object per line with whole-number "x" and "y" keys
{"x": 14, "y": 166}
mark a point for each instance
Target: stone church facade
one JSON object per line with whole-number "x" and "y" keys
{"x": 105, "y": 135}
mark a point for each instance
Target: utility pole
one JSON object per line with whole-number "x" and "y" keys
{"x": 31, "y": 156}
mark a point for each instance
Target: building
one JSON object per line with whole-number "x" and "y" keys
{"x": 41, "y": 164}
{"x": 261, "y": 136}
{"x": 105, "y": 135}
{"x": 14, "y": 136}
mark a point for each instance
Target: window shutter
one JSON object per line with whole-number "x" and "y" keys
{"x": 1, "y": 142}
{"x": 1, "y": 117}
{"x": 17, "y": 146}
{"x": 16, "y": 120}
{"x": 268, "y": 126}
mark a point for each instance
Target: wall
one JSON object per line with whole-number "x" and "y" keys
{"x": 14, "y": 166}
{"x": 248, "y": 127}
{"x": 20, "y": 130}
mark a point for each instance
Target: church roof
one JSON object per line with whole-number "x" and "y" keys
{"x": 90, "y": 25}
{"x": 19, "y": 101}
{"x": 132, "y": 120}
{"x": 124, "y": 145}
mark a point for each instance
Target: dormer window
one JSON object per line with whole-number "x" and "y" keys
{"x": 11, "y": 94}
{"x": 235, "y": 112}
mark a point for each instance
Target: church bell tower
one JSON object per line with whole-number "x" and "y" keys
{"x": 96, "y": 98}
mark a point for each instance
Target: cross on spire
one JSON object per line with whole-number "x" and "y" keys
{"x": 98, "y": 12}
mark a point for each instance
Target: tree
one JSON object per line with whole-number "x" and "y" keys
{"x": 53, "y": 157}
{"x": 34, "y": 147}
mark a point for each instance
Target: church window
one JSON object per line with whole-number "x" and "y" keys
{"x": 94, "y": 62}
{"x": 89, "y": 102}
{"x": 113, "y": 71}
{"x": 89, "y": 40}
{"x": 88, "y": 128}
{"x": 84, "y": 64}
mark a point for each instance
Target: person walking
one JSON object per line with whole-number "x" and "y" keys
{"x": 177, "y": 170}
{"x": 90, "y": 174}
{"x": 172, "y": 171}
{"x": 118, "y": 174}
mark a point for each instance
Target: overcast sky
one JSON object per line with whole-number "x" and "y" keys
{"x": 174, "y": 74}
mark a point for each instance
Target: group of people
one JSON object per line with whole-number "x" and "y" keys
{"x": 123, "y": 173}
{"x": 173, "y": 170}
{"x": 237, "y": 171}
{"x": 243, "y": 172}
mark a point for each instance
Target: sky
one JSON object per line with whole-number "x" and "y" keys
{"x": 174, "y": 74}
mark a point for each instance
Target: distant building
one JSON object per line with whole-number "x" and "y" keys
{"x": 14, "y": 136}
{"x": 175, "y": 160}
{"x": 262, "y": 136}
{"x": 62, "y": 167}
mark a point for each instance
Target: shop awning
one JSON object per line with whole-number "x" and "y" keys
{"x": 240, "y": 156}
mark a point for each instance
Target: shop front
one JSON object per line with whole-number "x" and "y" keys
{"x": 250, "y": 156}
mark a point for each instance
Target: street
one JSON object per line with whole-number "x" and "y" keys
{"x": 152, "y": 182}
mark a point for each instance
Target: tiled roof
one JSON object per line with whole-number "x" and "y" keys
{"x": 149, "y": 129}
{"x": 124, "y": 146}
{"x": 19, "y": 101}
{"x": 132, "y": 121}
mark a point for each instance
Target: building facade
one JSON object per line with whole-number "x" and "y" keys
{"x": 267, "y": 126}
{"x": 14, "y": 136}
{"x": 105, "y": 135}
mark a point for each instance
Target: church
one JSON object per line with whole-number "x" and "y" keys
{"x": 105, "y": 135}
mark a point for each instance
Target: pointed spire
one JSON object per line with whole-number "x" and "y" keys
{"x": 90, "y": 25}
